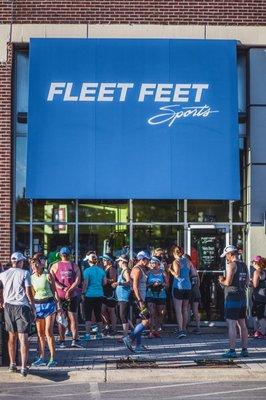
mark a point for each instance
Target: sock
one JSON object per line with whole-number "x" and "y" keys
{"x": 137, "y": 330}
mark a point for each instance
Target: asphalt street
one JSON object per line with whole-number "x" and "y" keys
{"x": 115, "y": 391}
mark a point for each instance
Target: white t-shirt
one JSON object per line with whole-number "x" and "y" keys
{"x": 14, "y": 281}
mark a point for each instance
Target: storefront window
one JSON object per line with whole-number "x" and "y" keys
{"x": 208, "y": 211}
{"x": 22, "y": 239}
{"x": 104, "y": 239}
{"x": 150, "y": 237}
{"x": 50, "y": 238}
{"x": 157, "y": 210}
{"x": 54, "y": 211}
{"x": 103, "y": 211}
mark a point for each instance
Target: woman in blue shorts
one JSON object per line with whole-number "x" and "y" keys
{"x": 45, "y": 306}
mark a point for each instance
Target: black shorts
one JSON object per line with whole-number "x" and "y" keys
{"x": 109, "y": 302}
{"x": 70, "y": 305}
{"x": 235, "y": 306}
{"x": 17, "y": 318}
{"x": 183, "y": 294}
{"x": 258, "y": 309}
{"x": 156, "y": 301}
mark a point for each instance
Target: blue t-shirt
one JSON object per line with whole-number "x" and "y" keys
{"x": 94, "y": 275}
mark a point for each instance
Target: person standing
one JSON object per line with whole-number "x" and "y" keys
{"x": 123, "y": 290}
{"x": 46, "y": 305}
{"x": 139, "y": 275}
{"x": 17, "y": 300}
{"x": 181, "y": 289}
{"x": 94, "y": 281}
{"x": 235, "y": 283}
{"x": 66, "y": 275}
{"x": 259, "y": 296}
{"x": 109, "y": 300}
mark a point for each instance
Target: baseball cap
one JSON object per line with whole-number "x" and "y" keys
{"x": 17, "y": 257}
{"x": 106, "y": 257}
{"x": 155, "y": 259}
{"x": 123, "y": 257}
{"x": 65, "y": 250}
{"x": 256, "y": 258}
{"x": 142, "y": 255}
{"x": 228, "y": 249}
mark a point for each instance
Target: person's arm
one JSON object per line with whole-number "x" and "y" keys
{"x": 175, "y": 269}
{"x": 53, "y": 271}
{"x": 256, "y": 279}
{"x": 136, "y": 275}
{"x": 53, "y": 289}
{"x": 76, "y": 282}
{"x": 1, "y": 298}
{"x": 166, "y": 279}
{"x": 28, "y": 291}
{"x": 112, "y": 275}
{"x": 230, "y": 272}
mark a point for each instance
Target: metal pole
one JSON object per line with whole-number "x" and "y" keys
{"x": 131, "y": 231}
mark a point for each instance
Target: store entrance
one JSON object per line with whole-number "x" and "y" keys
{"x": 205, "y": 245}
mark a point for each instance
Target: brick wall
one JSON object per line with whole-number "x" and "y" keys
{"x": 5, "y": 157}
{"x": 211, "y": 12}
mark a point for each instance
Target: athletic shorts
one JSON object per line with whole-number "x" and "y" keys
{"x": 70, "y": 305}
{"x": 109, "y": 302}
{"x": 258, "y": 309}
{"x": 156, "y": 301}
{"x": 235, "y": 306}
{"x": 44, "y": 310}
{"x": 181, "y": 294}
{"x": 17, "y": 318}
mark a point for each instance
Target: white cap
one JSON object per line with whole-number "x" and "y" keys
{"x": 17, "y": 257}
{"x": 229, "y": 249}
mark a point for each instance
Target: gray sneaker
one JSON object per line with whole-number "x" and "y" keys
{"x": 12, "y": 368}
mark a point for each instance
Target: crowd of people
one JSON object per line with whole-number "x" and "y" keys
{"x": 102, "y": 290}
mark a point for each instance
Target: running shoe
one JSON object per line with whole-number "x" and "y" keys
{"x": 138, "y": 350}
{"x": 62, "y": 344}
{"x": 12, "y": 368}
{"x": 229, "y": 354}
{"x": 86, "y": 337}
{"x": 152, "y": 335}
{"x": 244, "y": 353}
{"x": 94, "y": 328}
{"x": 181, "y": 335}
{"x": 40, "y": 362}
{"x": 24, "y": 371}
{"x": 75, "y": 345}
{"x": 157, "y": 334}
{"x": 99, "y": 336}
{"x": 52, "y": 363}
{"x": 128, "y": 343}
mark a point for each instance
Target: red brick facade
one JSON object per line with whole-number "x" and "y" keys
{"x": 202, "y": 12}
{"x": 5, "y": 157}
{"x": 211, "y": 12}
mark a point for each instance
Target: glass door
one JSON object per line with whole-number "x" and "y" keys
{"x": 205, "y": 245}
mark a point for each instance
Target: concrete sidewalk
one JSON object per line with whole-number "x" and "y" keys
{"x": 167, "y": 358}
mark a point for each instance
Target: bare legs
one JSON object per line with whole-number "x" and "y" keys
{"x": 45, "y": 332}
{"x": 24, "y": 347}
{"x": 232, "y": 333}
{"x": 181, "y": 311}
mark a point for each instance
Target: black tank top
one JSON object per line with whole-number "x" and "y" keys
{"x": 239, "y": 281}
{"x": 108, "y": 290}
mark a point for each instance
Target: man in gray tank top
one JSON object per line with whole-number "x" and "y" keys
{"x": 235, "y": 283}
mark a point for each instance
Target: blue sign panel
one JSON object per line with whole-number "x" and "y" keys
{"x": 119, "y": 119}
